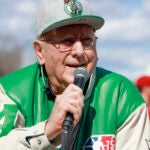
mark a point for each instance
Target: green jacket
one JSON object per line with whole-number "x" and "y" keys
{"x": 114, "y": 115}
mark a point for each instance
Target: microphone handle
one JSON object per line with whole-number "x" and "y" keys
{"x": 68, "y": 122}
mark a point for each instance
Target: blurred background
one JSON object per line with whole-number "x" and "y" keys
{"x": 123, "y": 43}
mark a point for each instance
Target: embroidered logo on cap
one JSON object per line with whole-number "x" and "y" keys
{"x": 73, "y": 7}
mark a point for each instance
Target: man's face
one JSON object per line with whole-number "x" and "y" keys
{"x": 64, "y": 49}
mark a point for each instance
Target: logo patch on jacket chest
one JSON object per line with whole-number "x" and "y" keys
{"x": 100, "y": 142}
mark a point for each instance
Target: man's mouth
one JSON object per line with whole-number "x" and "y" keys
{"x": 75, "y": 65}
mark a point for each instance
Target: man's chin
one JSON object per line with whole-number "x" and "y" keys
{"x": 69, "y": 79}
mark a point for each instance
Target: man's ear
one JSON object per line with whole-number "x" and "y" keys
{"x": 38, "y": 51}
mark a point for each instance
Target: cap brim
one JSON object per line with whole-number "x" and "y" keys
{"x": 94, "y": 21}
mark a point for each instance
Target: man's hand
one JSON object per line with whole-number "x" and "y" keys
{"x": 72, "y": 101}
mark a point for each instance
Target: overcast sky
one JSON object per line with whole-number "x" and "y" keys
{"x": 124, "y": 41}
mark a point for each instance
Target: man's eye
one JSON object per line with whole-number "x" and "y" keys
{"x": 87, "y": 40}
{"x": 67, "y": 42}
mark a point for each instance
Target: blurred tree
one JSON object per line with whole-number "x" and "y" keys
{"x": 10, "y": 54}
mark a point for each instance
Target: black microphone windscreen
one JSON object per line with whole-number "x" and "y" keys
{"x": 81, "y": 76}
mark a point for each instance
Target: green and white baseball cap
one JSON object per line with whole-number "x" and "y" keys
{"x": 52, "y": 14}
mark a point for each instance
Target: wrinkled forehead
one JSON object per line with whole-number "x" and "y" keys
{"x": 71, "y": 30}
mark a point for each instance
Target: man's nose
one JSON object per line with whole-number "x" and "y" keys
{"x": 77, "y": 49}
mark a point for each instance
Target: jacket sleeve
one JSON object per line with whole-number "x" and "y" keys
{"x": 133, "y": 132}
{"x": 27, "y": 139}
{"x": 13, "y": 134}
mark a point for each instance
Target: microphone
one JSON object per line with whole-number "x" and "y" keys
{"x": 81, "y": 76}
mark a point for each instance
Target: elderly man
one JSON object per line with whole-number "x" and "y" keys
{"x": 36, "y": 101}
